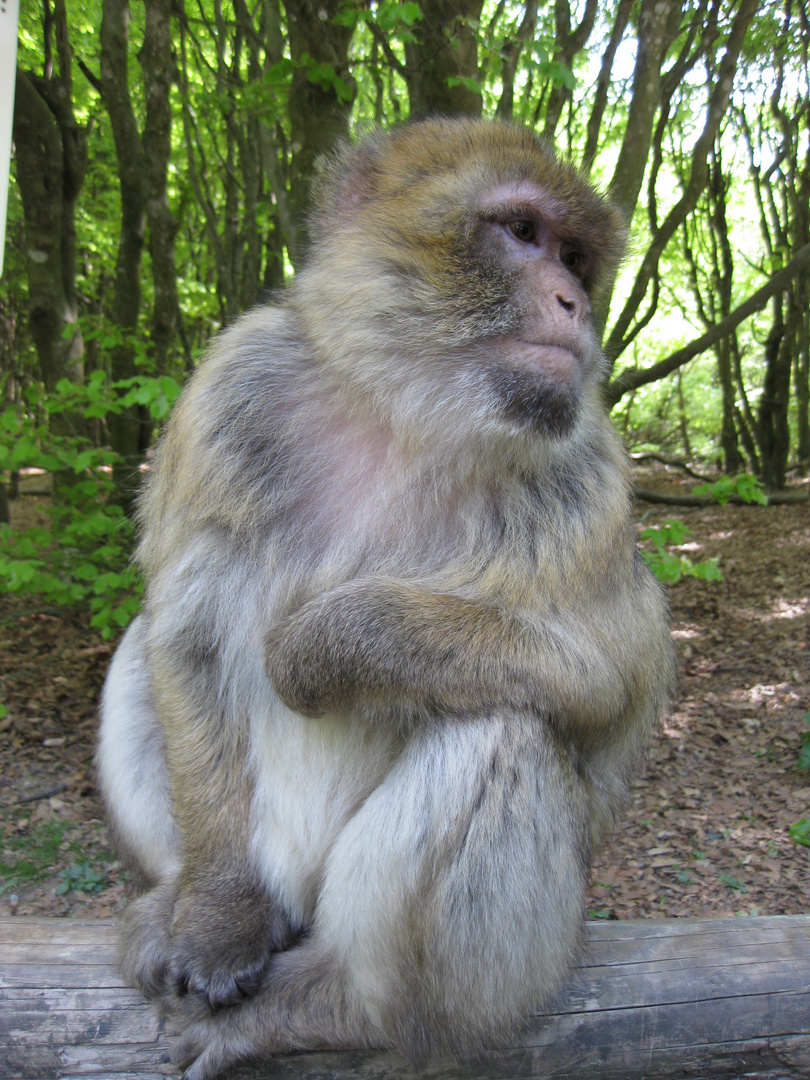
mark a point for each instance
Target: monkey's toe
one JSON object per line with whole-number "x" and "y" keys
{"x": 219, "y": 981}
{"x": 221, "y": 951}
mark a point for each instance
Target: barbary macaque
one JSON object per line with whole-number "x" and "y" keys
{"x": 398, "y": 656}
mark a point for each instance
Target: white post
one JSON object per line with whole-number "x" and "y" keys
{"x": 9, "y": 19}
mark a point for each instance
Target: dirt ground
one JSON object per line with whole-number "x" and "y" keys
{"x": 708, "y": 830}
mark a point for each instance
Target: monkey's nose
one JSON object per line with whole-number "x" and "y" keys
{"x": 568, "y": 305}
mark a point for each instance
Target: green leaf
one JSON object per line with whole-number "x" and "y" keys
{"x": 731, "y": 882}
{"x": 83, "y": 461}
{"x": 410, "y": 13}
{"x": 169, "y": 387}
{"x": 86, "y": 572}
{"x": 800, "y": 832}
{"x": 10, "y": 421}
{"x": 470, "y": 84}
{"x": 708, "y": 570}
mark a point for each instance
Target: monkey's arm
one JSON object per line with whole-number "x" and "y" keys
{"x": 392, "y": 641}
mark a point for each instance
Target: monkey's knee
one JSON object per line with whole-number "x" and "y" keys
{"x": 473, "y": 909}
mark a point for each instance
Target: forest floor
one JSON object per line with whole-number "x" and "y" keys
{"x": 708, "y": 830}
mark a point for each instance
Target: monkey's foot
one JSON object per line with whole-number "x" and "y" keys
{"x": 146, "y": 940}
{"x": 207, "y": 1047}
{"x": 221, "y": 948}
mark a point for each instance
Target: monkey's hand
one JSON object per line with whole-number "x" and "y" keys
{"x": 223, "y": 937}
{"x": 392, "y": 642}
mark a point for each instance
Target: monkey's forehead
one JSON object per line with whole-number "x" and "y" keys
{"x": 446, "y": 167}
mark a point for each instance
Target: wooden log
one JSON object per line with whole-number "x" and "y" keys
{"x": 697, "y": 998}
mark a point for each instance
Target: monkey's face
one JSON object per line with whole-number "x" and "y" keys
{"x": 463, "y": 260}
{"x": 532, "y": 272}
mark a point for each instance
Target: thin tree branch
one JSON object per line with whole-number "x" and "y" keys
{"x": 632, "y": 379}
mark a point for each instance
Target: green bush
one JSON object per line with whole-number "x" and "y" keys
{"x": 83, "y": 557}
{"x": 669, "y": 567}
{"x": 744, "y": 487}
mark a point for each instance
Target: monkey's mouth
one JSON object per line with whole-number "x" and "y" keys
{"x": 556, "y": 361}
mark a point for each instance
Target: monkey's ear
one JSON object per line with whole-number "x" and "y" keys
{"x": 609, "y": 234}
{"x": 348, "y": 178}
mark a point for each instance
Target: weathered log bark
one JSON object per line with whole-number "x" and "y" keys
{"x": 656, "y": 999}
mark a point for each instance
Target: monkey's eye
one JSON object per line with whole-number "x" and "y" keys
{"x": 523, "y": 230}
{"x": 574, "y": 261}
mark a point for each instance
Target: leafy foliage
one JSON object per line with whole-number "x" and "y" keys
{"x": 745, "y": 487}
{"x": 81, "y": 877}
{"x": 670, "y": 567}
{"x": 83, "y": 558}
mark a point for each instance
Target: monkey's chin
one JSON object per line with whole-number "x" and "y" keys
{"x": 539, "y": 386}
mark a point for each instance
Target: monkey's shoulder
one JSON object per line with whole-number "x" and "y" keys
{"x": 227, "y": 446}
{"x": 248, "y": 366}
{"x": 249, "y": 386}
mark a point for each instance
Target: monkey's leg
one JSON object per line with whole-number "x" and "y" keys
{"x": 451, "y": 907}
{"x": 131, "y": 763}
{"x": 226, "y": 924}
{"x": 206, "y": 926}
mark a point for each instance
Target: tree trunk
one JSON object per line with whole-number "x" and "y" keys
{"x": 732, "y": 458}
{"x": 51, "y": 158}
{"x": 510, "y": 54}
{"x": 657, "y": 26}
{"x": 319, "y": 104}
{"x": 444, "y": 50}
{"x": 620, "y": 21}
{"x": 802, "y": 376}
{"x": 627, "y": 178}
{"x": 157, "y": 65}
{"x": 774, "y": 435}
{"x": 722, "y": 270}
{"x": 129, "y": 432}
{"x": 683, "y": 416}
{"x": 567, "y": 43}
